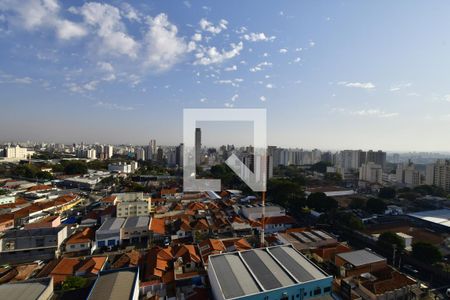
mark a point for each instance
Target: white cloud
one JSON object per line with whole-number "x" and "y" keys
{"x": 211, "y": 55}
{"x": 312, "y": 44}
{"x": 130, "y": 12}
{"x": 263, "y": 98}
{"x": 8, "y": 78}
{"x": 108, "y": 69}
{"x": 35, "y": 14}
{"x": 241, "y": 29}
{"x": 261, "y": 66}
{"x": 197, "y": 37}
{"x": 296, "y": 60}
{"x": 210, "y": 27}
{"x": 202, "y": 100}
{"x": 283, "y": 50}
{"x": 372, "y": 112}
{"x": 235, "y": 97}
{"x": 257, "y": 37}
{"x": 164, "y": 47}
{"x": 187, "y": 4}
{"x": 229, "y": 105}
{"x": 105, "y": 66}
{"x": 233, "y": 82}
{"x": 232, "y": 68}
{"x": 106, "y": 20}
{"x": 269, "y": 86}
{"x": 361, "y": 85}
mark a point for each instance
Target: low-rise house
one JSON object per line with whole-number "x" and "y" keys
{"x": 200, "y": 228}
{"x": 108, "y": 235}
{"x": 181, "y": 262}
{"x": 135, "y": 230}
{"x": 116, "y": 284}
{"x": 255, "y": 212}
{"x": 328, "y": 253}
{"x": 355, "y": 263}
{"x": 82, "y": 241}
{"x": 278, "y": 223}
{"x": 385, "y": 283}
{"x": 169, "y": 193}
{"x": 67, "y": 267}
{"x": 236, "y": 244}
{"x": 46, "y": 222}
{"x": 6, "y": 222}
{"x": 19, "y": 272}
{"x": 157, "y": 228}
{"x": 27, "y": 245}
{"x": 209, "y": 247}
{"x": 126, "y": 260}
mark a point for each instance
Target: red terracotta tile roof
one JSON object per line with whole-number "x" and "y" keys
{"x": 201, "y": 224}
{"x": 109, "y": 199}
{"x": 279, "y": 220}
{"x": 84, "y": 236}
{"x": 158, "y": 225}
{"x": 170, "y": 191}
{"x": 209, "y": 247}
{"x": 39, "y": 187}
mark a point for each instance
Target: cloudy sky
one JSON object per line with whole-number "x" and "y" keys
{"x": 332, "y": 74}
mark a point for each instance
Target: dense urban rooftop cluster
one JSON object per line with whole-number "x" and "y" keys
{"x": 119, "y": 226}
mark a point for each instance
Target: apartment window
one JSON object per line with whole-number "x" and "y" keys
{"x": 327, "y": 289}
{"x": 317, "y": 291}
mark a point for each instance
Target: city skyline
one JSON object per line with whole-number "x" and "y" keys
{"x": 124, "y": 72}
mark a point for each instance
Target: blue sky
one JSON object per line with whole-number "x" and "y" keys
{"x": 332, "y": 74}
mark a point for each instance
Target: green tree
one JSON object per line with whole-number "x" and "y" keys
{"x": 350, "y": 220}
{"x": 320, "y": 167}
{"x": 286, "y": 193}
{"x": 387, "y": 193}
{"x": 44, "y": 175}
{"x": 375, "y": 206}
{"x": 321, "y": 202}
{"x": 73, "y": 283}
{"x": 75, "y": 167}
{"x": 333, "y": 177}
{"x": 357, "y": 203}
{"x": 426, "y": 252}
{"x": 391, "y": 240}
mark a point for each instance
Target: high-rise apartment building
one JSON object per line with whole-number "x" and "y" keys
{"x": 408, "y": 175}
{"x": 371, "y": 172}
{"x": 198, "y": 145}
{"x": 109, "y": 151}
{"x": 140, "y": 154}
{"x": 439, "y": 174}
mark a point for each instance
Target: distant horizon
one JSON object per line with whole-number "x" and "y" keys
{"x": 442, "y": 152}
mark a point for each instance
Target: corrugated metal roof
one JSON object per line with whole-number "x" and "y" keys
{"x": 297, "y": 264}
{"x": 117, "y": 285}
{"x": 253, "y": 271}
{"x": 234, "y": 278}
{"x": 361, "y": 257}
